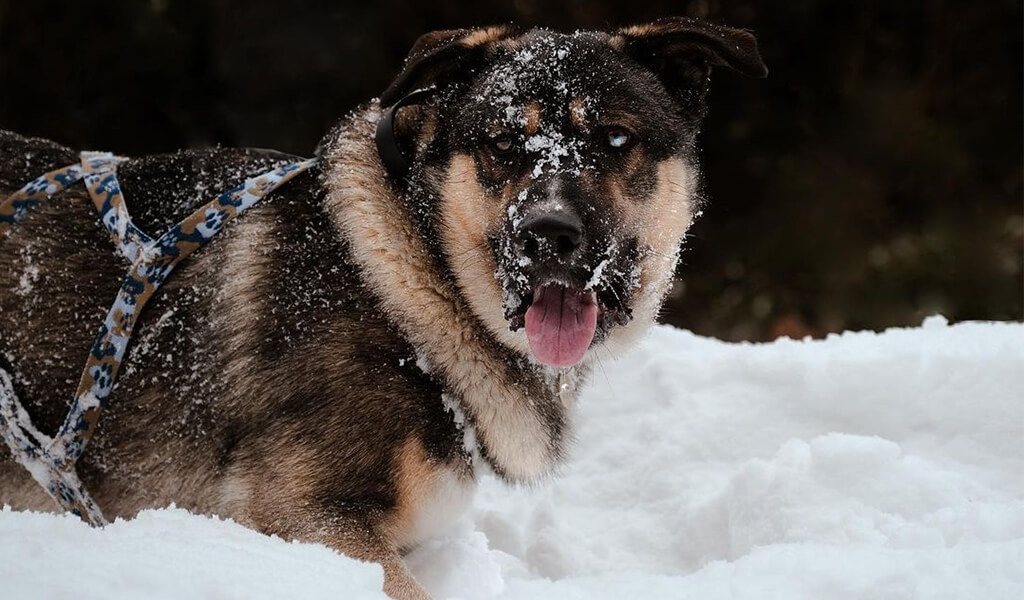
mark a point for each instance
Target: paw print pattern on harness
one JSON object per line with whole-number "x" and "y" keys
{"x": 51, "y": 461}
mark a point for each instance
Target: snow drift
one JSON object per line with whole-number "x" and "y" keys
{"x": 881, "y": 466}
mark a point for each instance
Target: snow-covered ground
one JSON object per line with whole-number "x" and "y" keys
{"x": 865, "y": 466}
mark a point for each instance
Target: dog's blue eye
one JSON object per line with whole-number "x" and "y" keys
{"x": 618, "y": 138}
{"x": 501, "y": 144}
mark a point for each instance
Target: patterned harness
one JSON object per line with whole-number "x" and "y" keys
{"x": 51, "y": 461}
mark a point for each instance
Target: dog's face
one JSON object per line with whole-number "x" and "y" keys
{"x": 558, "y": 171}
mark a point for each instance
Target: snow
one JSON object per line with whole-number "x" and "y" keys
{"x": 883, "y": 466}
{"x": 551, "y": 149}
{"x": 27, "y": 280}
{"x": 168, "y": 554}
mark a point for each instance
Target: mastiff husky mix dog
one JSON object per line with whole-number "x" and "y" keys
{"x": 421, "y": 306}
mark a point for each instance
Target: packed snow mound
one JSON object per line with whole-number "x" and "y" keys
{"x": 883, "y": 466}
{"x": 169, "y": 554}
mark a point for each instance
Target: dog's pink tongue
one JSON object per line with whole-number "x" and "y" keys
{"x": 560, "y": 325}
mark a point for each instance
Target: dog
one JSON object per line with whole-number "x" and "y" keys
{"x": 342, "y": 362}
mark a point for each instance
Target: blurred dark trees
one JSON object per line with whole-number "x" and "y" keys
{"x": 874, "y": 178}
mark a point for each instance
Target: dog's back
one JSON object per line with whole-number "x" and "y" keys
{"x": 59, "y": 273}
{"x": 59, "y": 270}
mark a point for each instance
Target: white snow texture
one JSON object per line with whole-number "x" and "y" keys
{"x": 865, "y": 466}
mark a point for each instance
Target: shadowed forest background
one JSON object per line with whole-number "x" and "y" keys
{"x": 874, "y": 178}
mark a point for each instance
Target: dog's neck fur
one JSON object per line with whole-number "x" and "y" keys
{"x": 519, "y": 411}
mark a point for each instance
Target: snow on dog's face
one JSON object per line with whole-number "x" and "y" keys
{"x": 558, "y": 171}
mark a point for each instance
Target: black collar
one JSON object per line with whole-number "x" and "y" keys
{"x": 395, "y": 162}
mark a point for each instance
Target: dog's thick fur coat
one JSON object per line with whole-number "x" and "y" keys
{"x": 337, "y": 365}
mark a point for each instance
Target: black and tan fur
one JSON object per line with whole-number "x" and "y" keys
{"x": 321, "y": 384}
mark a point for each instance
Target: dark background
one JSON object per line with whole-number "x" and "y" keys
{"x": 874, "y": 178}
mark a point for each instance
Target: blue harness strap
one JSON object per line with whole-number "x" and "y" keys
{"x": 99, "y": 170}
{"x": 51, "y": 461}
{"x": 17, "y": 205}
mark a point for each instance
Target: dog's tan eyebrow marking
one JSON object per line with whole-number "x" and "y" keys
{"x": 578, "y": 113}
{"x": 484, "y": 36}
{"x": 531, "y": 117}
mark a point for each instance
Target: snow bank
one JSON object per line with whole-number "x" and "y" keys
{"x": 168, "y": 554}
{"x": 883, "y": 466}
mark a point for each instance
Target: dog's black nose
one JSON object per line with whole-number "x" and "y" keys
{"x": 561, "y": 231}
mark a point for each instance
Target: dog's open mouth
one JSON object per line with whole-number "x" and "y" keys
{"x": 560, "y": 324}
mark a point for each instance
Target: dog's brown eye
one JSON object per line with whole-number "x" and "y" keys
{"x": 501, "y": 144}
{"x": 618, "y": 138}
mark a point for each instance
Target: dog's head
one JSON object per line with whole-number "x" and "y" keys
{"x": 557, "y": 170}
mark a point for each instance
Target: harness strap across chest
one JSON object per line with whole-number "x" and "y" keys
{"x": 51, "y": 460}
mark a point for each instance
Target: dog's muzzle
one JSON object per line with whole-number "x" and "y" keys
{"x": 561, "y": 319}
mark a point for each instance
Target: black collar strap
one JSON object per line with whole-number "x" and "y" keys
{"x": 391, "y": 155}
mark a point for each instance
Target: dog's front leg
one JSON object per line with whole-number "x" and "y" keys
{"x": 399, "y": 583}
{"x": 358, "y": 536}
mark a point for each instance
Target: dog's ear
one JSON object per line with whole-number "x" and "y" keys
{"x": 440, "y": 57}
{"x": 681, "y": 51}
